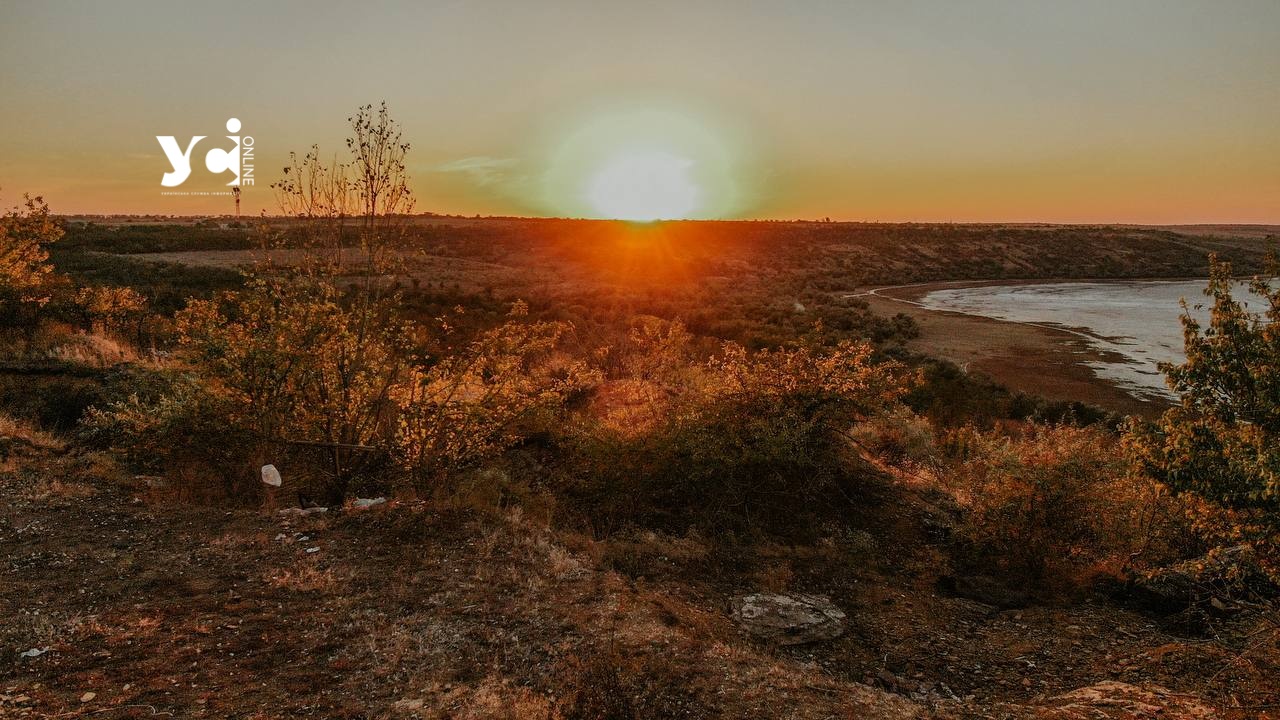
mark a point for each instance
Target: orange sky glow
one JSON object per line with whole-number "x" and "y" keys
{"x": 1150, "y": 111}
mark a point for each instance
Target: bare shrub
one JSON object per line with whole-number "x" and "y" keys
{"x": 483, "y": 398}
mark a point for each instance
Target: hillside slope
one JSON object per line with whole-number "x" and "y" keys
{"x": 138, "y": 607}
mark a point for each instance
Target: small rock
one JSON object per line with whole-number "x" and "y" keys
{"x": 896, "y": 684}
{"x": 33, "y": 652}
{"x": 313, "y": 550}
{"x": 87, "y": 697}
{"x": 154, "y": 482}
{"x": 303, "y": 512}
{"x": 363, "y": 503}
{"x": 271, "y": 476}
{"x": 408, "y": 704}
{"x": 789, "y": 619}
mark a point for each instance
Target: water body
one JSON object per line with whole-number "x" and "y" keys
{"x": 1134, "y": 323}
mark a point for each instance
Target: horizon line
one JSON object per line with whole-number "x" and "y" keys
{"x": 810, "y": 221}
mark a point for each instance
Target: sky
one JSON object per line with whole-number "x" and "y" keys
{"x": 1137, "y": 111}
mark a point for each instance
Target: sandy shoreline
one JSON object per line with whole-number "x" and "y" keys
{"x": 1040, "y": 359}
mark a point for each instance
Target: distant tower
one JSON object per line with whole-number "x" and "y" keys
{"x": 236, "y": 192}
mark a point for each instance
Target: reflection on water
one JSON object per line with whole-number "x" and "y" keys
{"x": 1135, "y": 322}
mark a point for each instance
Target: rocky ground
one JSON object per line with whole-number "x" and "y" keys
{"x": 120, "y": 602}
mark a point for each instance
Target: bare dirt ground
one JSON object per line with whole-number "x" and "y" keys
{"x": 119, "y": 603}
{"x": 141, "y": 609}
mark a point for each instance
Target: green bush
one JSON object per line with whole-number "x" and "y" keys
{"x": 1222, "y": 442}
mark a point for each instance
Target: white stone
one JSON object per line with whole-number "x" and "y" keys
{"x": 271, "y": 476}
{"x": 302, "y": 512}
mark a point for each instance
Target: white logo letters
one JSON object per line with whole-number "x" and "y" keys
{"x": 216, "y": 160}
{"x": 181, "y": 161}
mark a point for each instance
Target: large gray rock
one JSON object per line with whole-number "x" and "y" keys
{"x": 789, "y": 619}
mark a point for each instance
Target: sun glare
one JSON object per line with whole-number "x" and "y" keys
{"x": 644, "y": 186}
{"x": 642, "y": 164}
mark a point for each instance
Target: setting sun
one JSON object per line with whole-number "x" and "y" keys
{"x": 644, "y": 186}
{"x": 641, "y": 163}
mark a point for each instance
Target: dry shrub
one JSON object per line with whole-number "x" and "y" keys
{"x": 758, "y": 447}
{"x": 498, "y": 490}
{"x": 168, "y": 425}
{"x": 26, "y": 280}
{"x": 289, "y": 361}
{"x": 1052, "y": 504}
{"x": 629, "y": 407}
{"x": 899, "y": 437}
{"x": 484, "y": 397}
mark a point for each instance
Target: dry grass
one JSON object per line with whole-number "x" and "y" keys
{"x": 92, "y": 349}
{"x": 45, "y": 488}
{"x": 59, "y": 342}
{"x": 20, "y": 431}
{"x": 307, "y": 576}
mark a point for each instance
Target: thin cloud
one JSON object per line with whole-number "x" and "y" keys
{"x": 481, "y": 169}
